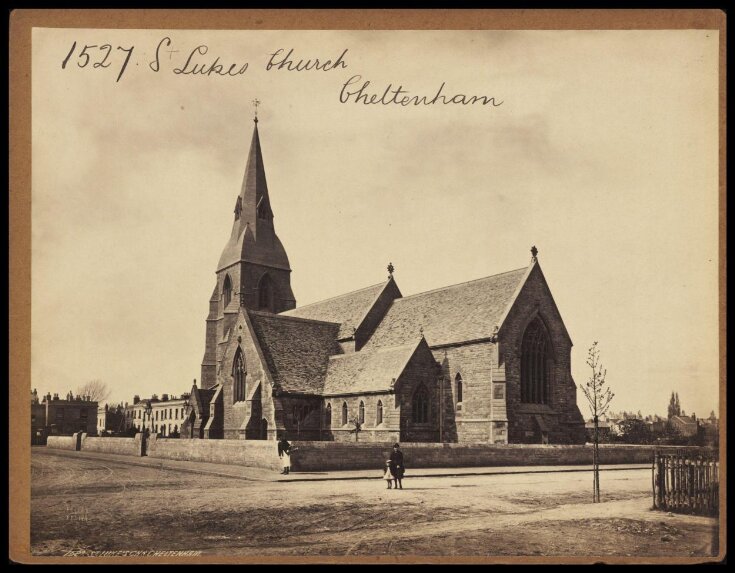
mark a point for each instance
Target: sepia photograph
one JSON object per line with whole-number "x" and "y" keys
{"x": 332, "y": 295}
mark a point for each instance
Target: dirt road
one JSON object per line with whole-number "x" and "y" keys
{"x": 103, "y": 505}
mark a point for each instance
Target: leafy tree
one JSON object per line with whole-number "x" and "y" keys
{"x": 95, "y": 389}
{"x": 598, "y": 398}
{"x": 635, "y": 431}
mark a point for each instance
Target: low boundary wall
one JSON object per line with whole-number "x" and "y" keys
{"x": 255, "y": 453}
{"x": 331, "y": 456}
{"x": 121, "y": 446}
{"x": 61, "y": 442}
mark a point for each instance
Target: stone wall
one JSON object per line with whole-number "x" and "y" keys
{"x": 61, "y": 442}
{"x": 325, "y": 456}
{"x": 255, "y": 453}
{"x": 122, "y": 446}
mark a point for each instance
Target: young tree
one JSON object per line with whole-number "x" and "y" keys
{"x": 357, "y": 427}
{"x": 96, "y": 389}
{"x": 598, "y": 398}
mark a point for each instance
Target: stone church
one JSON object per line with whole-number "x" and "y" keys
{"x": 481, "y": 361}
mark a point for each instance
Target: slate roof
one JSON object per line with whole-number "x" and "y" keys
{"x": 347, "y": 310}
{"x": 366, "y": 371}
{"x": 456, "y": 313}
{"x": 296, "y": 350}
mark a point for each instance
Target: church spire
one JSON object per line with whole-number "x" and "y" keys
{"x": 253, "y": 205}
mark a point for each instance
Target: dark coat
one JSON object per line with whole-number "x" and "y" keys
{"x": 396, "y": 464}
{"x": 283, "y": 447}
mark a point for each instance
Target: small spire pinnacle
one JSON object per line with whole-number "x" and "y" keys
{"x": 256, "y": 103}
{"x": 534, "y": 253}
{"x": 391, "y": 268}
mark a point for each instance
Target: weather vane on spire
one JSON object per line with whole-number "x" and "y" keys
{"x": 256, "y": 103}
{"x": 391, "y": 268}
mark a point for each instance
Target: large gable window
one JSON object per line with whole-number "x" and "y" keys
{"x": 535, "y": 358}
{"x": 421, "y": 405}
{"x": 238, "y": 375}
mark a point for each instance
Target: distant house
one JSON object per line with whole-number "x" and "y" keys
{"x": 62, "y": 417}
{"x": 684, "y": 425}
{"x": 163, "y": 416}
{"x": 603, "y": 429}
{"x": 657, "y": 425}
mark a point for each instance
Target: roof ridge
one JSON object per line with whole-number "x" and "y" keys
{"x": 285, "y": 313}
{"x": 289, "y": 317}
{"x": 459, "y": 284}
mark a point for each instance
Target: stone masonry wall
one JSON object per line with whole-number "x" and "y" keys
{"x": 254, "y": 453}
{"x": 122, "y": 446}
{"x": 61, "y": 443}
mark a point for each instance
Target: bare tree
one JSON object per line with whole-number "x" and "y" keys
{"x": 599, "y": 398}
{"x": 95, "y": 389}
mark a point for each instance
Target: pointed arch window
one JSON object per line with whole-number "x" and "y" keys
{"x": 344, "y": 413}
{"x": 535, "y": 364}
{"x": 421, "y": 405}
{"x": 227, "y": 291}
{"x": 265, "y": 294}
{"x": 328, "y": 416}
{"x": 379, "y": 413}
{"x": 238, "y": 375}
{"x": 361, "y": 412}
{"x": 460, "y": 388}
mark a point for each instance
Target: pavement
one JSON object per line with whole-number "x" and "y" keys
{"x": 260, "y": 474}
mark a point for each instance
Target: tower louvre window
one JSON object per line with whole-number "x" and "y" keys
{"x": 227, "y": 291}
{"x": 265, "y": 294}
{"x": 535, "y": 358}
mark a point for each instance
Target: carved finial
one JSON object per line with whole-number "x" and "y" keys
{"x": 391, "y": 268}
{"x": 534, "y": 252}
{"x": 495, "y": 333}
{"x": 256, "y": 103}
{"x": 195, "y": 382}
{"x": 421, "y": 331}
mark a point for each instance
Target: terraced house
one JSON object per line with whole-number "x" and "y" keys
{"x": 482, "y": 361}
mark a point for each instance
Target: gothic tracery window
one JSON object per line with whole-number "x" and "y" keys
{"x": 361, "y": 412}
{"x": 421, "y": 405}
{"x": 458, "y": 380}
{"x": 344, "y": 413}
{"x": 535, "y": 358}
{"x": 328, "y": 417}
{"x": 238, "y": 375}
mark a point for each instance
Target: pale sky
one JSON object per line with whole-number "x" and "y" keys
{"x": 603, "y": 154}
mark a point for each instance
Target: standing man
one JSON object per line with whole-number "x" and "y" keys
{"x": 396, "y": 466}
{"x": 284, "y": 452}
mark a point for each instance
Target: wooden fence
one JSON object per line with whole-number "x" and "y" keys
{"x": 686, "y": 482}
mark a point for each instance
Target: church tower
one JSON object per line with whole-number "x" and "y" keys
{"x": 253, "y": 270}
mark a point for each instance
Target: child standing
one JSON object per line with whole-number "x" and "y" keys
{"x": 388, "y": 475}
